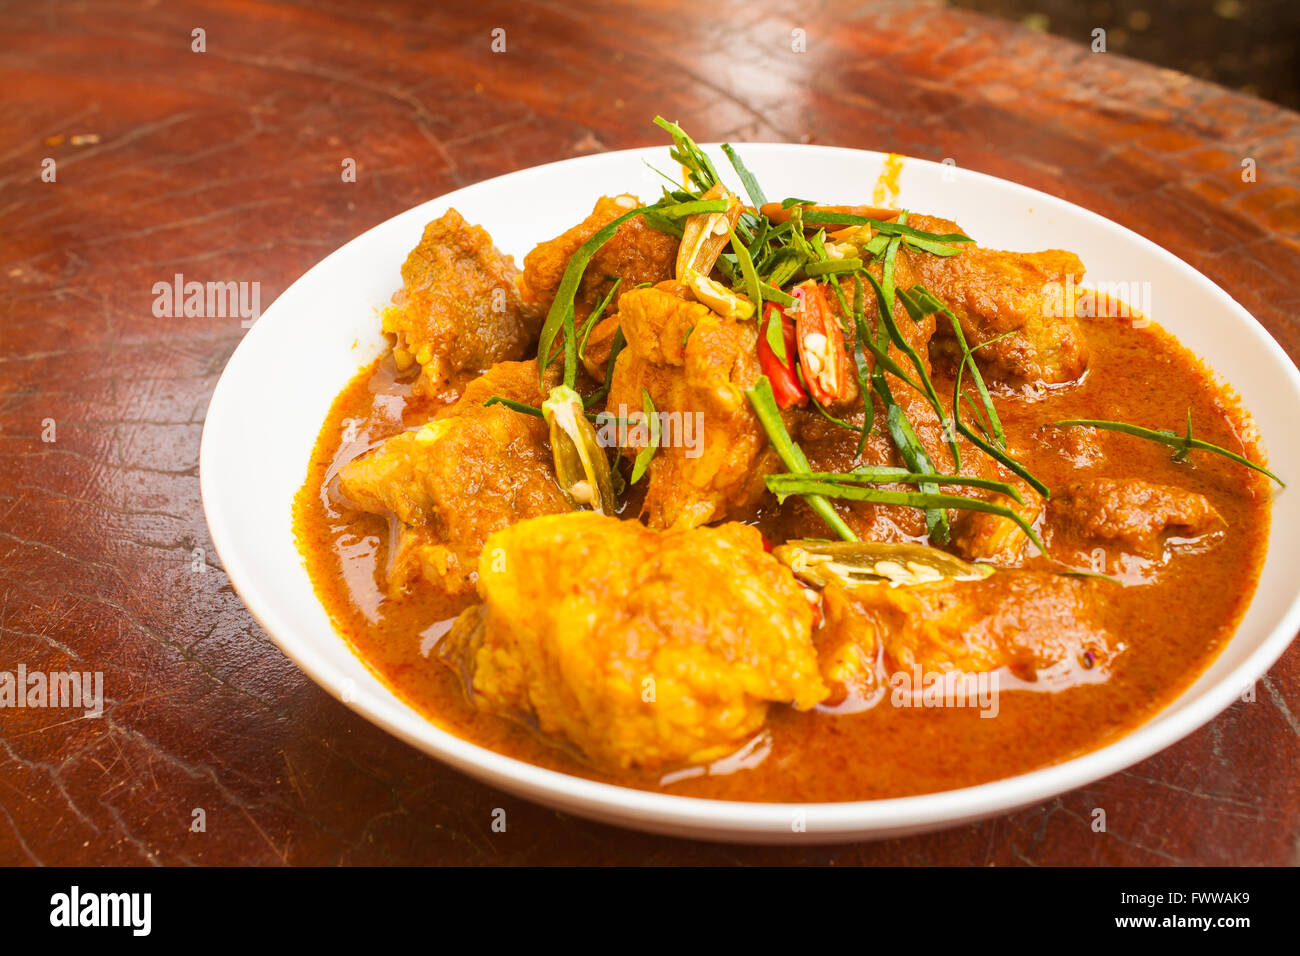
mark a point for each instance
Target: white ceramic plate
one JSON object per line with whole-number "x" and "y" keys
{"x": 271, "y": 400}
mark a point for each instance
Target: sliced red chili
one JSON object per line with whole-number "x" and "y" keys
{"x": 786, "y": 388}
{"x": 822, "y": 358}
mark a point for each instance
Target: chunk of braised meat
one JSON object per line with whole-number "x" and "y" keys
{"x": 695, "y": 365}
{"x": 706, "y": 630}
{"x": 1034, "y": 623}
{"x": 978, "y": 535}
{"x": 599, "y": 343}
{"x": 636, "y": 253}
{"x": 459, "y": 310}
{"x": 470, "y": 471}
{"x": 1127, "y": 515}
{"x": 992, "y": 293}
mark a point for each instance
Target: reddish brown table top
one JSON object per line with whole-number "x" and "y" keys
{"x": 226, "y": 165}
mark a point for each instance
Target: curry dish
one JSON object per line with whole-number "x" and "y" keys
{"x": 778, "y": 500}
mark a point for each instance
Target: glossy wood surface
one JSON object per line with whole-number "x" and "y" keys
{"x": 225, "y": 165}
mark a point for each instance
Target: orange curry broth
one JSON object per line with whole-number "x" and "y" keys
{"x": 1172, "y": 628}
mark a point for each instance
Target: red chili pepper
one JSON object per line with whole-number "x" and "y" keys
{"x": 785, "y": 380}
{"x": 822, "y": 357}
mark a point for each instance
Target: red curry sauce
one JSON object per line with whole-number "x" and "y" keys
{"x": 1172, "y": 628}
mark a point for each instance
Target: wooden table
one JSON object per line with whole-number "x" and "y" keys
{"x": 225, "y": 165}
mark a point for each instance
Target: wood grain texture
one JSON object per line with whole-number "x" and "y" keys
{"x": 225, "y": 165}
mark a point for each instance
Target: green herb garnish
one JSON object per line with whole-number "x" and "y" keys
{"x": 522, "y": 408}
{"x": 1181, "y": 443}
{"x": 920, "y": 302}
{"x": 1076, "y": 573}
{"x": 615, "y": 347}
{"x": 772, "y": 294}
{"x": 934, "y": 248}
{"x": 859, "y": 361}
{"x": 595, "y": 317}
{"x": 752, "y": 285}
{"x": 899, "y": 227}
{"x": 560, "y": 316}
{"x": 791, "y": 455}
{"x": 886, "y": 312}
{"x": 698, "y": 165}
{"x": 648, "y": 452}
{"x": 746, "y": 178}
{"x": 900, "y": 429}
{"x": 887, "y": 475}
{"x": 514, "y": 406}
{"x": 671, "y": 226}
{"x": 774, "y": 332}
{"x": 825, "y": 267}
{"x": 695, "y": 207}
{"x": 785, "y": 485}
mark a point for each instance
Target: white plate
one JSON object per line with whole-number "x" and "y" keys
{"x": 272, "y": 399}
